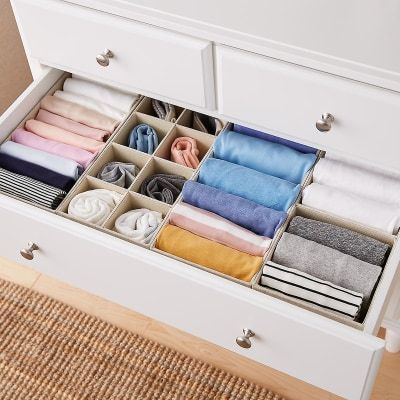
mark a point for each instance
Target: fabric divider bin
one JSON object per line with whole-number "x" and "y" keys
{"x": 160, "y": 166}
{"x": 187, "y": 118}
{"x": 307, "y": 212}
{"x": 161, "y": 127}
{"x": 133, "y": 201}
{"x": 86, "y": 184}
{"x": 118, "y": 153}
{"x": 146, "y": 107}
{"x": 204, "y": 142}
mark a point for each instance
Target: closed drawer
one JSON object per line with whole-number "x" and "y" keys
{"x": 279, "y": 97}
{"x": 146, "y": 59}
{"x": 320, "y": 351}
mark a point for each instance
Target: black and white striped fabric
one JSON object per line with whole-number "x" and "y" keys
{"x": 30, "y": 189}
{"x": 299, "y": 285}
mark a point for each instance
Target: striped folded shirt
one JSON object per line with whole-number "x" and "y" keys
{"x": 305, "y": 287}
{"x": 31, "y": 190}
{"x": 213, "y": 227}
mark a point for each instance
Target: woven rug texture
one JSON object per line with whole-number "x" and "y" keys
{"x": 51, "y": 351}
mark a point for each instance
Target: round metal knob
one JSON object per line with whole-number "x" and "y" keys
{"x": 28, "y": 252}
{"x": 325, "y": 123}
{"x": 244, "y": 341}
{"x": 104, "y": 58}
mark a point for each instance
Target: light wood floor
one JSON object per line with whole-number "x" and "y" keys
{"x": 387, "y": 386}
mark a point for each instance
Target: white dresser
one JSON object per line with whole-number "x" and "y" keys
{"x": 272, "y": 66}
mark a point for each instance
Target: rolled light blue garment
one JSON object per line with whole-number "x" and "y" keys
{"x": 143, "y": 138}
{"x": 263, "y": 189}
{"x": 270, "y": 158}
{"x": 267, "y": 136}
{"x": 252, "y": 216}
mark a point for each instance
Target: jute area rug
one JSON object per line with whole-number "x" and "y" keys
{"x": 49, "y": 350}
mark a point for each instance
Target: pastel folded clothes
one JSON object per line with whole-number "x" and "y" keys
{"x": 94, "y": 206}
{"x": 119, "y": 173}
{"x": 261, "y": 155}
{"x": 29, "y": 139}
{"x": 163, "y": 110}
{"x": 356, "y": 208}
{"x": 207, "y": 253}
{"x": 207, "y": 124}
{"x": 140, "y": 224}
{"x": 61, "y": 135}
{"x": 63, "y": 166}
{"x": 78, "y": 113}
{"x": 345, "y": 240}
{"x": 246, "y": 213}
{"x": 116, "y": 98}
{"x": 327, "y": 264}
{"x": 143, "y": 138}
{"x": 213, "y": 227}
{"x": 263, "y": 189}
{"x": 31, "y": 190}
{"x": 163, "y": 187}
{"x": 275, "y": 139}
{"x": 72, "y": 126}
{"x": 305, "y": 287}
{"x": 37, "y": 172}
{"x": 353, "y": 179}
{"x": 184, "y": 151}
{"x": 92, "y": 104}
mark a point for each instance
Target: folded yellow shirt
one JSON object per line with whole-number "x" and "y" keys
{"x": 193, "y": 248}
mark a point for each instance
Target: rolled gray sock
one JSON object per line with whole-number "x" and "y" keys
{"x": 163, "y": 187}
{"x": 118, "y": 173}
{"x": 345, "y": 240}
{"x": 328, "y": 264}
{"x": 164, "y": 110}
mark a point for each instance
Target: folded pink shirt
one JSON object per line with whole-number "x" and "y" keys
{"x": 213, "y": 227}
{"x": 72, "y": 126}
{"x": 26, "y": 138}
{"x": 78, "y": 113}
{"x": 61, "y": 135}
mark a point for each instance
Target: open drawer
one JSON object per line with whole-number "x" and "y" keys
{"x": 300, "y": 343}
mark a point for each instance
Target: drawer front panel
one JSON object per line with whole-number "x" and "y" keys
{"x": 146, "y": 59}
{"x": 317, "y": 350}
{"x": 280, "y": 97}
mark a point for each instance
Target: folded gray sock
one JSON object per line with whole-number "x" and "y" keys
{"x": 164, "y": 110}
{"x": 118, "y": 173}
{"x": 345, "y": 240}
{"x": 163, "y": 187}
{"x": 328, "y": 264}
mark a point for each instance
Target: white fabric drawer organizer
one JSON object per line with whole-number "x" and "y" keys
{"x": 176, "y": 65}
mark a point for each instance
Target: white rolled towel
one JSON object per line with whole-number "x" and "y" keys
{"x": 357, "y": 180}
{"x": 356, "y": 208}
{"x": 92, "y": 104}
{"x": 116, "y": 98}
{"x": 61, "y": 165}
{"x": 94, "y": 205}
{"x": 139, "y": 224}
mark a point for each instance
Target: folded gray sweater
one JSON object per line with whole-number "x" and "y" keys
{"x": 328, "y": 264}
{"x": 345, "y": 240}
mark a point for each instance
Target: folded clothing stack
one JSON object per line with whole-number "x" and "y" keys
{"x": 230, "y": 216}
{"x": 313, "y": 258}
{"x": 70, "y": 128}
{"x": 355, "y": 191}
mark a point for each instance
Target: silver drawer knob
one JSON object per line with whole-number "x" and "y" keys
{"x": 244, "y": 341}
{"x": 28, "y": 252}
{"x": 325, "y": 123}
{"x": 104, "y": 58}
